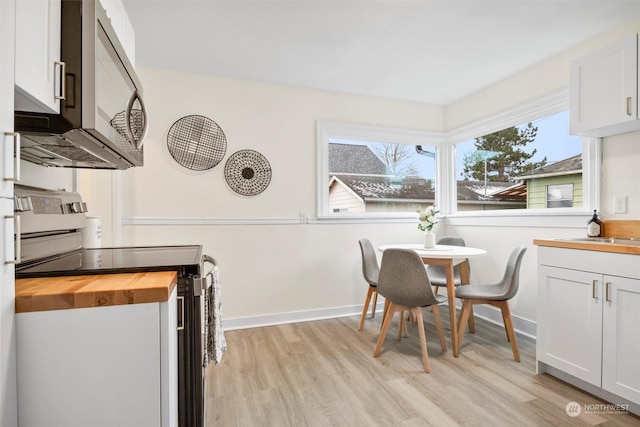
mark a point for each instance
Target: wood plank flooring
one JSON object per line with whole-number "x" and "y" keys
{"x": 323, "y": 373}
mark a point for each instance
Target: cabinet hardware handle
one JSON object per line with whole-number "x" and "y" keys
{"x": 17, "y": 259}
{"x": 593, "y": 289}
{"x": 16, "y": 156}
{"x": 63, "y": 81}
{"x": 628, "y": 105}
{"x": 606, "y": 291}
{"x": 180, "y": 326}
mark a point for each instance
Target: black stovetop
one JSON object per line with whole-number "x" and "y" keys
{"x": 116, "y": 260}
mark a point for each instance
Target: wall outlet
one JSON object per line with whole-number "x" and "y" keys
{"x": 620, "y": 204}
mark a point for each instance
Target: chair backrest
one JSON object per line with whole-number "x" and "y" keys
{"x": 370, "y": 268}
{"x": 451, "y": 240}
{"x": 404, "y": 280}
{"x": 439, "y": 272}
{"x": 511, "y": 279}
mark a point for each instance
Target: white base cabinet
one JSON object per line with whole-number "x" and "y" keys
{"x": 8, "y": 393}
{"x": 106, "y": 366}
{"x": 588, "y": 317}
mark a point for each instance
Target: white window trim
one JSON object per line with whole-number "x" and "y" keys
{"x": 327, "y": 130}
{"x": 559, "y": 185}
{"x": 445, "y": 178}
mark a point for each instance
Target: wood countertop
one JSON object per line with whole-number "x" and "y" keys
{"x": 66, "y": 292}
{"x": 589, "y": 246}
{"x": 612, "y": 229}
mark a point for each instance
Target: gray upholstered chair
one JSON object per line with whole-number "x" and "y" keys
{"x": 437, "y": 273}
{"x": 405, "y": 285}
{"x": 497, "y": 295}
{"x": 370, "y": 271}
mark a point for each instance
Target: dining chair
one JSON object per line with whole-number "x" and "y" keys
{"x": 404, "y": 283}
{"x": 370, "y": 271}
{"x": 437, "y": 274}
{"x": 497, "y": 295}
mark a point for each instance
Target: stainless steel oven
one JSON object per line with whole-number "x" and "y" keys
{"x": 50, "y": 245}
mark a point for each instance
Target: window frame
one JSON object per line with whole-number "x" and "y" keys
{"x": 446, "y": 197}
{"x": 328, "y": 130}
{"x": 547, "y": 201}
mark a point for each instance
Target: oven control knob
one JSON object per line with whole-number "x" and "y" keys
{"x": 22, "y": 204}
{"x": 77, "y": 207}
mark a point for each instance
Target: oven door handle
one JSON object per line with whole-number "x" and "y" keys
{"x": 205, "y": 281}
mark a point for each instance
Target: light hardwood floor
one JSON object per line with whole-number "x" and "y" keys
{"x": 323, "y": 373}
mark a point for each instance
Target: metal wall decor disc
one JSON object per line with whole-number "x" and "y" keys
{"x": 247, "y": 172}
{"x": 196, "y": 142}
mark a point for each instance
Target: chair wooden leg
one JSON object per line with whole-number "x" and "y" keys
{"x": 423, "y": 340}
{"x": 435, "y": 309}
{"x": 385, "y": 310}
{"x": 375, "y": 303}
{"x": 508, "y": 325}
{"x": 366, "y": 307}
{"x": 472, "y": 322}
{"x": 464, "y": 318}
{"x": 385, "y": 328}
{"x": 504, "y": 322}
{"x": 402, "y": 326}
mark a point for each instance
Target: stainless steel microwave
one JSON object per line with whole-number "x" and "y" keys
{"x": 102, "y": 121}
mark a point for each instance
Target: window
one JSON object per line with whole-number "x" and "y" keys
{"x": 370, "y": 171}
{"x": 560, "y": 196}
{"x": 533, "y": 169}
{"x": 534, "y": 165}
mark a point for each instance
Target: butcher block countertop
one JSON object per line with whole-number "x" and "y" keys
{"x": 616, "y": 230}
{"x": 60, "y": 293}
{"x": 589, "y": 246}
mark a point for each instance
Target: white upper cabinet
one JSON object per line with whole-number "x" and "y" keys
{"x": 37, "y": 63}
{"x": 604, "y": 90}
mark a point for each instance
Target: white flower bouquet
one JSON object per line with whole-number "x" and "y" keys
{"x": 427, "y": 218}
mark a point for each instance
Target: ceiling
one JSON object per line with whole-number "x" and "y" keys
{"x": 431, "y": 51}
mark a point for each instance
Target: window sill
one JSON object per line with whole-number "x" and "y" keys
{"x": 548, "y": 218}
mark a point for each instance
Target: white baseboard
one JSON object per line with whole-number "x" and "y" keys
{"x": 294, "y": 317}
{"x": 522, "y": 326}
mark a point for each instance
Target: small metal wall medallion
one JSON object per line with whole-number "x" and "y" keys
{"x": 196, "y": 142}
{"x": 247, "y": 172}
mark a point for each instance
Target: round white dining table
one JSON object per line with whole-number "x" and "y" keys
{"x": 446, "y": 256}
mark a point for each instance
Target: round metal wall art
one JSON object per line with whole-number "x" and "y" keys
{"x": 196, "y": 142}
{"x": 247, "y": 172}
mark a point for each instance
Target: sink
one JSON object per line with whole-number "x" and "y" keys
{"x": 625, "y": 241}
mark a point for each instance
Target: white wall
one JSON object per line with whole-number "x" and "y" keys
{"x": 273, "y": 264}
{"x": 275, "y": 268}
{"x": 620, "y": 167}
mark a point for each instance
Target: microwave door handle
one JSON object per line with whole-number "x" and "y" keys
{"x": 127, "y": 119}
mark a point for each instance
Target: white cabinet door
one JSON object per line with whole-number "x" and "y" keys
{"x": 570, "y": 322}
{"x": 621, "y": 338}
{"x": 8, "y": 389}
{"x": 90, "y": 367}
{"x": 169, "y": 360}
{"x": 604, "y": 90}
{"x": 7, "y": 140}
{"x": 38, "y": 73}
